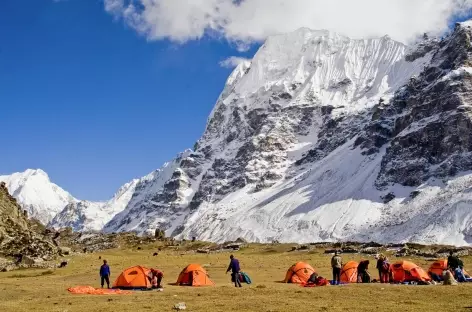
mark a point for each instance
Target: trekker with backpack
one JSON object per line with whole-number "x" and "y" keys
{"x": 336, "y": 264}
{"x": 235, "y": 269}
{"x": 105, "y": 274}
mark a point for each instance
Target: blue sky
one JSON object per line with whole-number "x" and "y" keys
{"x": 92, "y": 103}
{"x": 95, "y": 103}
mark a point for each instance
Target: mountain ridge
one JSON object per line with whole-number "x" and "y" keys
{"x": 317, "y": 139}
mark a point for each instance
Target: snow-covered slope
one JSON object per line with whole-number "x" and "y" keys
{"x": 271, "y": 111}
{"x": 92, "y": 216}
{"x": 54, "y": 207}
{"x": 321, "y": 138}
{"x": 37, "y": 194}
{"x": 157, "y": 201}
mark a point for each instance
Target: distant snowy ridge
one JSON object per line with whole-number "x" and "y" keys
{"x": 319, "y": 138}
{"x": 54, "y": 207}
{"x": 93, "y": 216}
{"x": 37, "y": 194}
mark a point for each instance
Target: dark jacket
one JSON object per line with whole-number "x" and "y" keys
{"x": 363, "y": 266}
{"x": 234, "y": 266}
{"x": 379, "y": 264}
{"x": 105, "y": 270}
{"x": 453, "y": 262}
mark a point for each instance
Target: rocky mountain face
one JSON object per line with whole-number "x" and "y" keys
{"x": 427, "y": 125}
{"x": 322, "y": 138}
{"x": 160, "y": 200}
{"x": 294, "y": 93}
{"x": 20, "y": 236}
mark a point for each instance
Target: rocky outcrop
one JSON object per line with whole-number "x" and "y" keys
{"x": 428, "y": 123}
{"x": 159, "y": 199}
{"x": 20, "y": 238}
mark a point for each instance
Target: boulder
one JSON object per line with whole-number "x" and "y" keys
{"x": 203, "y": 251}
{"x": 65, "y": 250}
{"x": 27, "y": 260}
{"x": 180, "y": 306}
{"x": 8, "y": 268}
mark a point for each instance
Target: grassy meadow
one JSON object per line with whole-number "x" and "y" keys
{"x": 46, "y": 290}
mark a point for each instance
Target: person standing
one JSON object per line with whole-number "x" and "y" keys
{"x": 235, "y": 269}
{"x": 105, "y": 274}
{"x": 336, "y": 264}
{"x": 362, "y": 273}
{"x": 386, "y": 271}
{"x": 384, "y": 268}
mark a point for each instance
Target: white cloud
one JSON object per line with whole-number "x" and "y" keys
{"x": 233, "y": 61}
{"x": 246, "y": 21}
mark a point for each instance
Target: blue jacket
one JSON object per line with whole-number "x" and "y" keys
{"x": 234, "y": 266}
{"x": 104, "y": 270}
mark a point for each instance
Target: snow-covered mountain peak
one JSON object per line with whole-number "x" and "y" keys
{"x": 37, "y": 194}
{"x": 323, "y": 65}
{"x": 319, "y": 138}
{"x": 32, "y": 172}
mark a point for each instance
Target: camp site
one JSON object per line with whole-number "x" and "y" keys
{"x": 194, "y": 274}
{"x": 235, "y": 155}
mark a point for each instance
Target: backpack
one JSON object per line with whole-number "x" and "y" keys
{"x": 385, "y": 266}
{"x": 320, "y": 281}
{"x": 245, "y": 278}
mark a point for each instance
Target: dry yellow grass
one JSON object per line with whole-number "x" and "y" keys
{"x": 40, "y": 290}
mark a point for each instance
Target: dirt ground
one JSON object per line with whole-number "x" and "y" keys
{"x": 46, "y": 290}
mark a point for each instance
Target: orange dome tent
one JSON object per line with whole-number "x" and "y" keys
{"x": 406, "y": 271}
{"x": 194, "y": 275}
{"x": 349, "y": 272}
{"x": 299, "y": 273}
{"x": 439, "y": 266}
{"x": 133, "y": 278}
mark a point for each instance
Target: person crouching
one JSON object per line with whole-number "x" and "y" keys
{"x": 156, "y": 278}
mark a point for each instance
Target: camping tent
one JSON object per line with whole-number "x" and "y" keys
{"x": 299, "y": 273}
{"x": 136, "y": 277}
{"x": 194, "y": 275}
{"x": 439, "y": 266}
{"x": 349, "y": 272}
{"x": 406, "y": 271}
